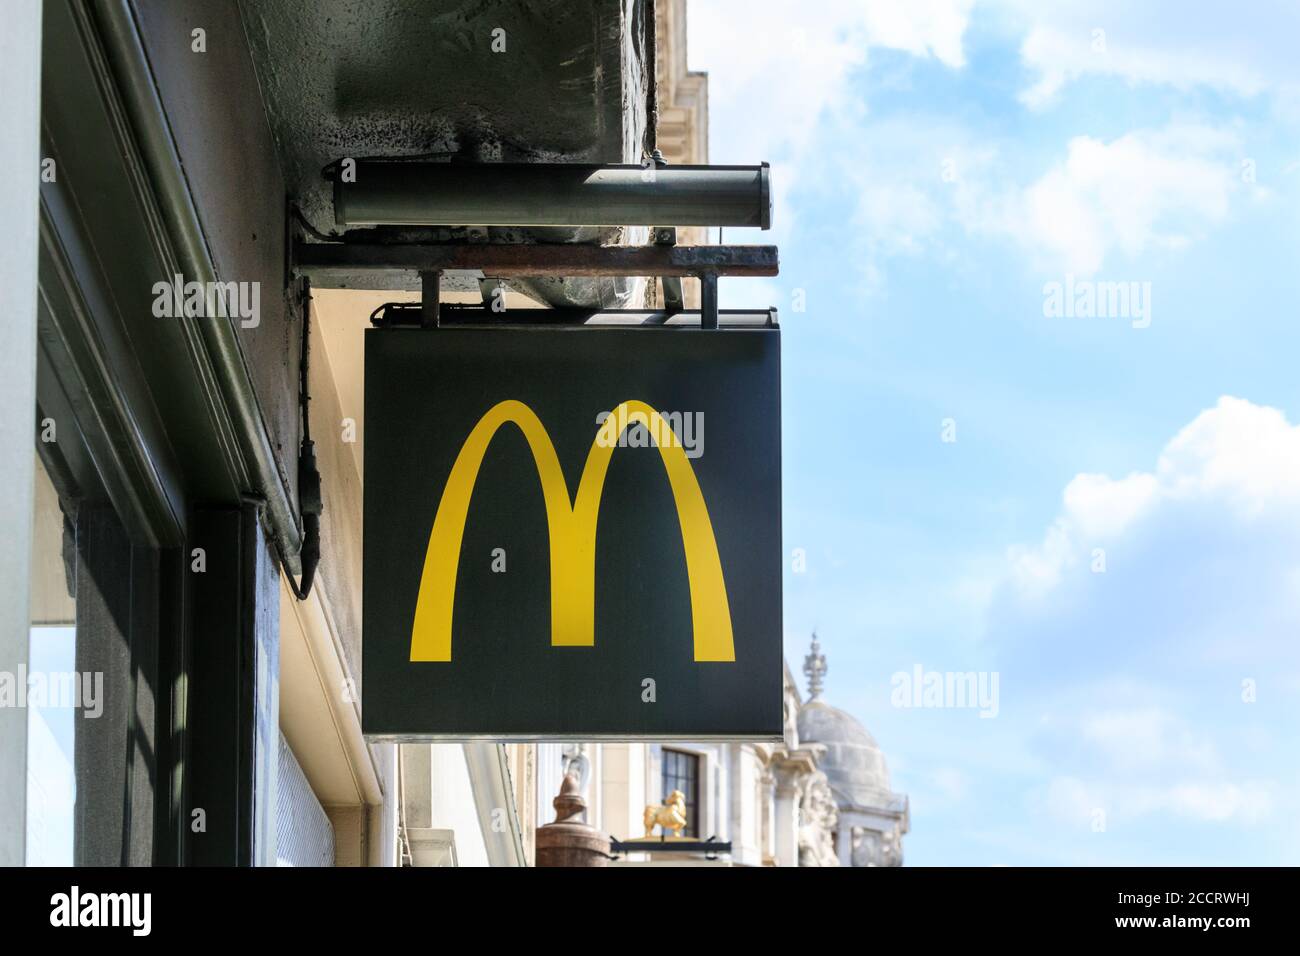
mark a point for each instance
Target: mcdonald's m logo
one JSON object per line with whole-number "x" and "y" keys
{"x": 572, "y": 525}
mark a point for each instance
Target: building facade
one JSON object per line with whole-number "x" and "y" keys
{"x": 821, "y": 797}
{"x": 182, "y": 410}
{"x": 180, "y": 676}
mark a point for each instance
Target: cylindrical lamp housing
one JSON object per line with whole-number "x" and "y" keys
{"x": 398, "y": 193}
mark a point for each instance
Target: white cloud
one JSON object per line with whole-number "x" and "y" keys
{"x": 1141, "y": 671}
{"x": 1100, "y": 507}
{"x": 1141, "y": 190}
{"x": 1246, "y": 454}
{"x": 919, "y": 27}
{"x": 1237, "y": 457}
{"x": 1145, "y": 190}
{"x": 1242, "y": 49}
{"x": 917, "y": 183}
{"x": 895, "y": 179}
{"x": 1147, "y": 738}
{"x": 785, "y": 95}
{"x": 768, "y": 93}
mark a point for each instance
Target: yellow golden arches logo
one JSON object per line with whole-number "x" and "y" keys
{"x": 573, "y": 535}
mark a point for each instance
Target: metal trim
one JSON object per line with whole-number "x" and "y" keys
{"x": 411, "y": 315}
{"x": 321, "y": 260}
{"x": 407, "y": 192}
{"x": 148, "y": 143}
{"x": 103, "y": 383}
{"x": 532, "y": 738}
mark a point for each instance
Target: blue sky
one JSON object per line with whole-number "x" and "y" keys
{"x": 938, "y": 164}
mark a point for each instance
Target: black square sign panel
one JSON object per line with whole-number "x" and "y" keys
{"x": 572, "y": 533}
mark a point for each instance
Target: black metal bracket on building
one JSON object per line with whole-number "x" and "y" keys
{"x": 430, "y": 298}
{"x": 674, "y": 299}
{"x": 409, "y": 315}
{"x": 330, "y": 263}
{"x": 711, "y": 847}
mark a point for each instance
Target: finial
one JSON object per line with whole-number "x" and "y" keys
{"x": 571, "y": 805}
{"x": 814, "y": 668}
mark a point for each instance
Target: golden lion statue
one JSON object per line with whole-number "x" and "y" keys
{"x": 670, "y": 816}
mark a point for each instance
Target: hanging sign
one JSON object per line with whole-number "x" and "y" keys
{"x": 572, "y": 533}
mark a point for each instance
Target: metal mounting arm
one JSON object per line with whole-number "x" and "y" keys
{"x": 324, "y": 262}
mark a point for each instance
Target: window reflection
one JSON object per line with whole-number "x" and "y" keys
{"x": 52, "y": 687}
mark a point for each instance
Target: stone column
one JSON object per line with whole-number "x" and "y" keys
{"x": 767, "y": 799}
{"x": 785, "y": 830}
{"x": 844, "y": 842}
{"x": 791, "y": 769}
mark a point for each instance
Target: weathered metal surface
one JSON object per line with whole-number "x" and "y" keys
{"x": 531, "y": 81}
{"x": 551, "y": 194}
{"x": 321, "y": 260}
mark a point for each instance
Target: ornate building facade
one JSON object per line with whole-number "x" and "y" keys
{"x": 822, "y": 797}
{"x": 869, "y": 819}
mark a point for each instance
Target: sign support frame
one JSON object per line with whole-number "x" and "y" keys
{"x": 326, "y": 262}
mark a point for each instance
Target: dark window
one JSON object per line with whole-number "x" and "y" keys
{"x": 681, "y": 771}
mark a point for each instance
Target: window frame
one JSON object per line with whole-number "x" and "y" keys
{"x": 695, "y": 796}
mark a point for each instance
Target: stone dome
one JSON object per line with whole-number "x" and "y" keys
{"x": 853, "y": 762}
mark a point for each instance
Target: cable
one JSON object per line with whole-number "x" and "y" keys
{"x": 312, "y": 230}
{"x": 381, "y": 320}
{"x": 310, "y": 503}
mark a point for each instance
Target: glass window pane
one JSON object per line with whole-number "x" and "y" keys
{"x": 680, "y": 771}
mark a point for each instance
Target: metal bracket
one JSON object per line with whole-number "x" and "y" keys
{"x": 674, "y": 300}
{"x": 490, "y": 289}
{"x": 410, "y": 315}
{"x": 329, "y": 263}
{"x": 430, "y": 297}
{"x": 711, "y": 847}
{"x": 334, "y": 263}
{"x": 708, "y": 300}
